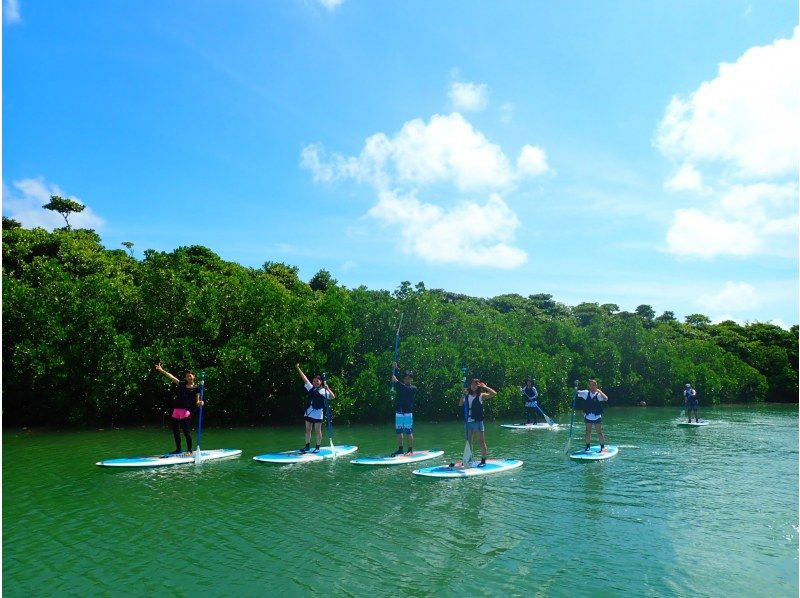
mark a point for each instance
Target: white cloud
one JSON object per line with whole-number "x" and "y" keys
{"x": 732, "y": 298}
{"x": 24, "y": 204}
{"x": 748, "y": 219}
{"x": 746, "y": 118}
{"x": 468, "y": 233}
{"x": 331, "y": 5}
{"x": 687, "y": 178}
{"x": 469, "y": 97}
{"x": 532, "y": 161}
{"x": 11, "y": 12}
{"x": 445, "y": 150}
{"x": 696, "y": 233}
{"x": 444, "y": 158}
{"x": 744, "y": 126}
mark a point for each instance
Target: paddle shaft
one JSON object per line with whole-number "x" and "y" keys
{"x": 547, "y": 419}
{"x": 328, "y": 413}
{"x": 200, "y": 416}
{"x": 467, "y": 456}
{"x": 572, "y": 417}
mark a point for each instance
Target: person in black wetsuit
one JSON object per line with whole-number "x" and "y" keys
{"x": 187, "y": 396}
{"x": 404, "y": 407}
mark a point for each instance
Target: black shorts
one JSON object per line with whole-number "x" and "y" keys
{"x": 313, "y": 420}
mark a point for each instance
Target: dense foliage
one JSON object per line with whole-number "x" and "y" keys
{"x": 84, "y": 325}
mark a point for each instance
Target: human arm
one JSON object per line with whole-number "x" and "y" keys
{"x": 487, "y": 393}
{"x": 302, "y": 375}
{"x": 395, "y": 372}
{"x": 328, "y": 391}
{"x": 161, "y": 370}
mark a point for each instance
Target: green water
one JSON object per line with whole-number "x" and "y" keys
{"x": 710, "y": 511}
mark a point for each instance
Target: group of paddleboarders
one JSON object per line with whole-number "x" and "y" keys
{"x": 187, "y": 396}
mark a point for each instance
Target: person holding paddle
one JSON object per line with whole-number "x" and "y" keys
{"x": 530, "y": 395}
{"x": 474, "y": 398}
{"x": 187, "y": 395}
{"x": 593, "y": 412}
{"x": 405, "y": 393}
{"x": 317, "y": 392}
{"x": 692, "y": 402}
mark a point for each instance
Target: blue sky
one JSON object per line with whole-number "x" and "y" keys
{"x": 617, "y": 152}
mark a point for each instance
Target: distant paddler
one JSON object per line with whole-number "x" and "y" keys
{"x": 405, "y": 393}
{"x": 593, "y": 413}
{"x": 474, "y": 397}
{"x": 317, "y": 392}
{"x": 691, "y": 401}
{"x": 530, "y": 396}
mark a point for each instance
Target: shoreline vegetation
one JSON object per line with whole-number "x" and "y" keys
{"x": 83, "y": 326}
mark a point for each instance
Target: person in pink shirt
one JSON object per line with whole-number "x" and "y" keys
{"x": 186, "y": 397}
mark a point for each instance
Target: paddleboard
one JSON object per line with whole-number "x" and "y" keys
{"x": 399, "y": 459}
{"x": 170, "y": 459}
{"x": 594, "y": 454}
{"x": 541, "y": 426}
{"x": 692, "y": 424}
{"x": 324, "y": 452}
{"x": 458, "y": 471}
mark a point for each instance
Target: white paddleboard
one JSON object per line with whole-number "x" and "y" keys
{"x": 541, "y": 426}
{"x": 594, "y": 454}
{"x": 324, "y": 452}
{"x": 692, "y": 424}
{"x": 472, "y": 469}
{"x": 399, "y": 459}
{"x": 170, "y": 459}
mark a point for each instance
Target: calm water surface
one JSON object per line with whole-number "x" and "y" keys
{"x": 710, "y": 511}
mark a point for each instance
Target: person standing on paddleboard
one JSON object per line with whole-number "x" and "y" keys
{"x": 692, "y": 402}
{"x": 474, "y": 397}
{"x": 530, "y": 395}
{"x": 405, "y": 393}
{"x": 187, "y": 395}
{"x": 318, "y": 391}
{"x": 593, "y": 412}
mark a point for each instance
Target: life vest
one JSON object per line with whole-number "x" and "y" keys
{"x": 593, "y": 405}
{"x": 531, "y": 394}
{"x": 475, "y": 412}
{"x": 316, "y": 399}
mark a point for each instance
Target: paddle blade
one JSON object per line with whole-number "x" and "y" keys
{"x": 197, "y": 455}
{"x": 467, "y": 458}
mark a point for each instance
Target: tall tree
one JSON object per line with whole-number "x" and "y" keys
{"x": 65, "y": 207}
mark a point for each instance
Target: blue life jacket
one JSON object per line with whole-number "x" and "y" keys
{"x": 531, "y": 394}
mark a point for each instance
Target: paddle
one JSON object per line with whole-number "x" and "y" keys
{"x": 549, "y": 421}
{"x": 200, "y": 417}
{"x": 396, "y": 354}
{"x": 328, "y": 410}
{"x": 572, "y": 418}
{"x": 467, "y": 457}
